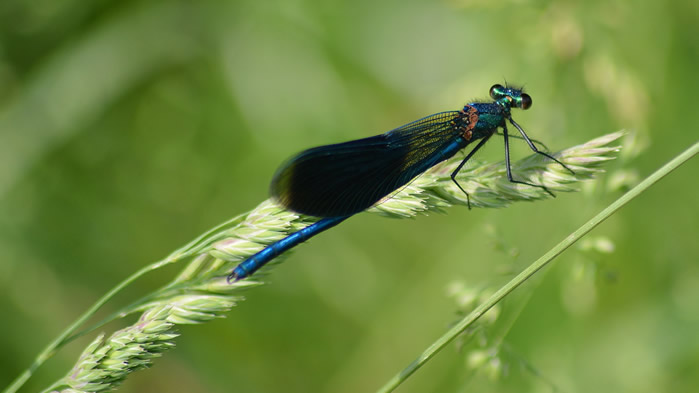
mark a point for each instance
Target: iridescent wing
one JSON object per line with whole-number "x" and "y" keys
{"x": 346, "y": 178}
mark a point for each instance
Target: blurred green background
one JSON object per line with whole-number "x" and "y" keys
{"x": 129, "y": 127}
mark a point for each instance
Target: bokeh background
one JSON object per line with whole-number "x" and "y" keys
{"x": 129, "y": 127}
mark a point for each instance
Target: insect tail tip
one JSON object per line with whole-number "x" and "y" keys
{"x": 233, "y": 278}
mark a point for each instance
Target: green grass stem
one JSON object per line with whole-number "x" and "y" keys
{"x": 500, "y": 294}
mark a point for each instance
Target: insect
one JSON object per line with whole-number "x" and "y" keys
{"x": 340, "y": 180}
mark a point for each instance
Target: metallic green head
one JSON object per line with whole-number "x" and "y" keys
{"x": 510, "y": 97}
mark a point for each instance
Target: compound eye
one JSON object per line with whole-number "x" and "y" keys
{"x": 496, "y": 91}
{"x": 526, "y": 101}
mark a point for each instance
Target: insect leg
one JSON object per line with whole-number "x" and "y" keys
{"x": 461, "y": 165}
{"x": 509, "y": 168}
{"x": 531, "y": 145}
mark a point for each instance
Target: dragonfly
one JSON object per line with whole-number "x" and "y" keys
{"x": 335, "y": 182}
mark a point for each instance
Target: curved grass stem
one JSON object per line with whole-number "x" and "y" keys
{"x": 200, "y": 292}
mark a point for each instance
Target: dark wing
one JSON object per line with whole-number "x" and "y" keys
{"x": 346, "y": 178}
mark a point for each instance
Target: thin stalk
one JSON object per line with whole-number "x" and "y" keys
{"x": 69, "y": 334}
{"x": 467, "y": 321}
{"x": 47, "y": 352}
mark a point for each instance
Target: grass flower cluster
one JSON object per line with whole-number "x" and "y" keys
{"x": 201, "y": 293}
